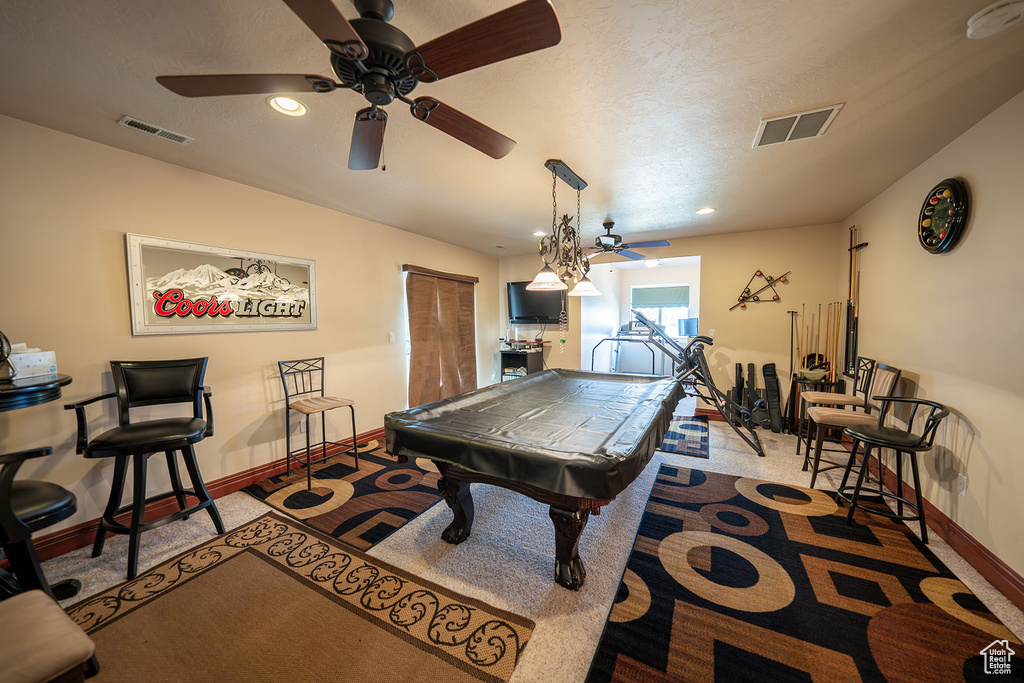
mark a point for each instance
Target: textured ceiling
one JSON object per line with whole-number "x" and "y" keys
{"x": 655, "y": 103}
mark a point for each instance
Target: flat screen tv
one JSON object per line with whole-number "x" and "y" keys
{"x": 533, "y": 308}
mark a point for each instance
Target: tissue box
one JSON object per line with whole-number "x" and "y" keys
{"x": 32, "y": 364}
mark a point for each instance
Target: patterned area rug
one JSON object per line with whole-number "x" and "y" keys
{"x": 687, "y": 436}
{"x": 361, "y": 507}
{"x": 277, "y": 601}
{"x": 739, "y": 579}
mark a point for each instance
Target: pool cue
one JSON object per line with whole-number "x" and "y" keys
{"x": 817, "y": 338}
{"x": 803, "y": 335}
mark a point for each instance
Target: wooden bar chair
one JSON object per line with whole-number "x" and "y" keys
{"x": 304, "y": 393}
{"x": 903, "y": 442}
{"x": 148, "y": 383}
{"x": 27, "y": 506}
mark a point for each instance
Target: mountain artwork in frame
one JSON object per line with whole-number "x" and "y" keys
{"x": 178, "y": 287}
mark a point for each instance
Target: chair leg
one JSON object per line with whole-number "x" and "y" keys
{"x": 355, "y": 442}
{"x": 172, "y": 470}
{"x": 323, "y": 435}
{"x": 899, "y": 483}
{"x": 819, "y": 440}
{"x": 800, "y": 427}
{"x": 309, "y": 468}
{"x": 849, "y": 467}
{"x": 113, "y": 503}
{"x": 25, "y": 566}
{"x": 860, "y": 482}
{"x": 139, "y": 462}
{"x": 920, "y": 497}
{"x": 288, "y": 439}
{"x": 189, "y": 455}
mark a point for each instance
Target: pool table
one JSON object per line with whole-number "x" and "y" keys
{"x": 570, "y": 439}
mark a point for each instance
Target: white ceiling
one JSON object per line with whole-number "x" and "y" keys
{"x": 655, "y": 103}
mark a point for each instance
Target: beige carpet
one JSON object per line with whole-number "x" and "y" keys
{"x": 276, "y": 601}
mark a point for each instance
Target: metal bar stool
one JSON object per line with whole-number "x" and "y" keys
{"x": 902, "y": 441}
{"x": 304, "y": 393}
{"x": 822, "y": 418}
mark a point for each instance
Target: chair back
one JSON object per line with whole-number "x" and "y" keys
{"x": 931, "y": 413}
{"x": 884, "y": 382}
{"x": 863, "y": 375}
{"x": 158, "y": 382}
{"x": 302, "y": 377}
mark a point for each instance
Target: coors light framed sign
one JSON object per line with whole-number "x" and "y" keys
{"x": 182, "y": 287}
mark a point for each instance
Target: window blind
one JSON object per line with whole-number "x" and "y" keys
{"x": 674, "y": 296}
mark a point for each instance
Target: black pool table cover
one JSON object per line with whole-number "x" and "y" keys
{"x": 583, "y": 434}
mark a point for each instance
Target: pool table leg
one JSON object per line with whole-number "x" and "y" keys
{"x": 569, "y": 525}
{"x": 460, "y": 500}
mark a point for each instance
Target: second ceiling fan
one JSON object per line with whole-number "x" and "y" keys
{"x": 377, "y": 60}
{"x": 613, "y": 244}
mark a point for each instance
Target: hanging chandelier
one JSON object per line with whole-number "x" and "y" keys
{"x": 560, "y": 251}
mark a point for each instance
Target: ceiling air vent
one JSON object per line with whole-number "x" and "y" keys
{"x": 808, "y": 124}
{"x": 156, "y": 130}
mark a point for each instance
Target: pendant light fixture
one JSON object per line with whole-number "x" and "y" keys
{"x": 561, "y": 251}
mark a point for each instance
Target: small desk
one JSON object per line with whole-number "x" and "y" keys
{"x": 22, "y": 392}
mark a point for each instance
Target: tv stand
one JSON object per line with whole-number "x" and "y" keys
{"x": 521, "y": 362}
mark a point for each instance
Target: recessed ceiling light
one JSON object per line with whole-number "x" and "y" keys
{"x": 706, "y": 210}
{"x": 539, "y": 233}
{"x": 287, "y": 106}
{"x": 652, "y": 264}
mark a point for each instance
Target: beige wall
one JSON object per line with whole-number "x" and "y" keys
{"x": 953, "y": 322}
{"x": 65, "y": 205}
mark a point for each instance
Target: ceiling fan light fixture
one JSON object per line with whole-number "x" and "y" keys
{"x": 584, "y": 288}
{"x": 546, "y": 281}
{"x": 706, "y": 210}
{"x": 652, "y": 264}
{"x": 287, "y": 106}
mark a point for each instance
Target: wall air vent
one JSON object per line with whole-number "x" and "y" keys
{"x": 156, "y": 130}
{"x": 808, "y": 124}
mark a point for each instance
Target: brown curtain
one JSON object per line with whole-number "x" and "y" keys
{"x": 442, "y": 332}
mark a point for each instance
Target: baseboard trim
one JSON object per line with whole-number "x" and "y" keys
{"x": 710, "y": 414}
{"x": 83, "y": 535}
{"x": 998, "y": 573}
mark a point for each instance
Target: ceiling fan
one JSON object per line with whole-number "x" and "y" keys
{"x": 613, "y": 244}
{"x": 372, "y": 57}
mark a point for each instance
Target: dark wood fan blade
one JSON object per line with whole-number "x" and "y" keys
{"x": 461, "y": 127}
{"x": 640, "y": 245}
{"x": 243, "y": 84}
{"x": 629, "y": 254}
{"x": 522, "y": 28}
{"x": 367, "y": 139}
{"x": 323, "y": 18}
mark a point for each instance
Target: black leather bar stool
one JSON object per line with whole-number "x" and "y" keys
{"x": 147, "y": 383}
{"x": 902, "y": 441}
{"x": 26, "y": 506}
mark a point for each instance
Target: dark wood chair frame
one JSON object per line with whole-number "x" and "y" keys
{"x": 304, "y": 378}
{"x": 140, "y": 453}
{"x": 902, "y": 442}
{"x": 16, "y": 533}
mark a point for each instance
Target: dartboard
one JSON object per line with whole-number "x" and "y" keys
{"x": 943, "y": 216}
